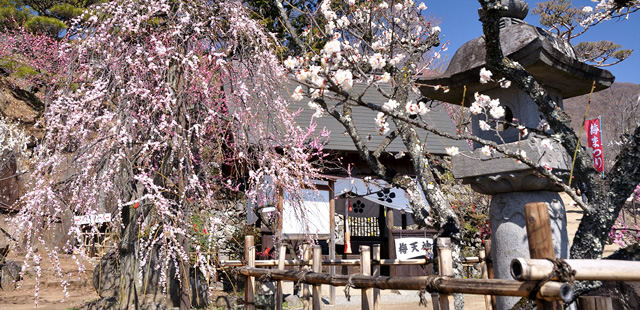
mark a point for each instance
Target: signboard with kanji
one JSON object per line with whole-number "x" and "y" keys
{"x": 407, "y": 248}
{"x": 92, "y": 219}
{"x": 594, "y": 141}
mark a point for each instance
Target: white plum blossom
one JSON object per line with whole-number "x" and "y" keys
{"x": 383, "y": 5}
{"x": 587, "y": 9}
{"x": 504, "y": 83}
{"x": 303, "y": 75}
{"x": 497, "y": 112}
{"x": 398, "y": 6}
{"x": 422, "y": 6}
{"x": 291, "y": 62}
{"x": 422, "y": 108}
{"x": 523, "y": 130}
{"x": 494, "y": 103}
{"x": 475, "y": 108}
{"x": 482, "y": 100}
{"x": 485, "y": 75}
{"x": 331, "y": 47}
{"x": 414, "y": 108}
{"x": 344, "y": 78}
{"x": 381, "y": 122}
{"x": 297, "y": 94}
{"x": 523, "y": 153}
{"x": 319, "y": 111}
{"x": 486, "y": 150}
{"x": 435, "y": 29}
{"x": 377, "y": 61}
{"x": 377, "y": 45}
{"x": 390, "y": 105}
{"x": 484, "y": 126}
{"x": 397, "y": 59}
{"x": 546, "y": 144}
{"x": 452, "y": 150}
{"x": 385, "y": 77}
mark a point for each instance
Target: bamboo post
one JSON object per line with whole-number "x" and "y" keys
{"x": 483, "y": 267}
{"x": 540, "y": 241}
{"x": 445, "y": 260}
{"x": 279, "y": 295}
{"x": 376, "y": 273}
{"x": 489, "y": 264}
{"x": 595, "y": 303}
{"x": 250, "y": 283}
{"x": 525, "y": 269}
{"x": 317, "y": 268}
{"x": 365, "y": 269}
{"x": 306, "y": 294}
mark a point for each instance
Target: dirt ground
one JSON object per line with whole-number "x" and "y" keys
{"x": 50, "y": 292}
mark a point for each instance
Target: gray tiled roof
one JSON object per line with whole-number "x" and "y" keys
{"x": 365, "y": 121}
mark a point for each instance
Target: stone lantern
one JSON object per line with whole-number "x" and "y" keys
{"x": 553, "y": 62}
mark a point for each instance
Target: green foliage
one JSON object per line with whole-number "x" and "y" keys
{"x": 18, "y": 69}
{"x": 65, "y": 11}
{"x": 48, "y": 17}
{"x": 11, "y": 14}
{"x": 47, "y": 25}
{"x": 600, "y": 51}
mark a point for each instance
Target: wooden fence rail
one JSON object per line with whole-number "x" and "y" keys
{"x": 344, "y": 262}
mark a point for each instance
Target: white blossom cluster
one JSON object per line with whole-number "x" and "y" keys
{"x": 346, "y": 58}
{"x": 605, "y": 10}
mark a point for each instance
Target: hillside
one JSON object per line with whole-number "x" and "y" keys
{"x": 619, "y": 107}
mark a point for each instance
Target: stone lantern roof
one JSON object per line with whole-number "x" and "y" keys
{"x": 550, "y": 59}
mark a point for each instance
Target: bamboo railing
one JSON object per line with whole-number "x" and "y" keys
{"x": 370, "y": 284}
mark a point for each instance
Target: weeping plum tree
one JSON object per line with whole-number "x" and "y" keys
{"x": 160, "y": 108}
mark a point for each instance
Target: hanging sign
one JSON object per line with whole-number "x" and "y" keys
{"x": 92, "y": 219}
{"x": 594, "y": 141}
{"x": 407, "y": 248}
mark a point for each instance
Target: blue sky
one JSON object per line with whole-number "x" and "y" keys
{"x": 459, "y": 23}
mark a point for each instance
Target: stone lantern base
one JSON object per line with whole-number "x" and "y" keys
{"x": 509, "y": 232}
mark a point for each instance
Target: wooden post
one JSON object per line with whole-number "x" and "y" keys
{"x": 332, "y": 238}
{"x": 365, "y": 269}
{"x": 485, "y": 275}
{"x": 445, "y": 264}
{"x": 317, "y": 267}
{"x": 376, "y": 273}
{"x": 280, "y": 208}
{"x": 595, "y": 303}
{"x": 279, "y": 295}
{"x": 250, "y": 283}
{"x": 540, "y": 241}
{"x": 306, "y": 294}
{"x": 390, "y": 242}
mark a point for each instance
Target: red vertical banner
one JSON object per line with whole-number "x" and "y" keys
{"x": 594, "y": 141}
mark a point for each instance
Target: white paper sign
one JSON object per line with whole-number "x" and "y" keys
{"x": 92, "y": 219}
{"x": 407, "y": 248}
{"x": 315, "y": 218}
